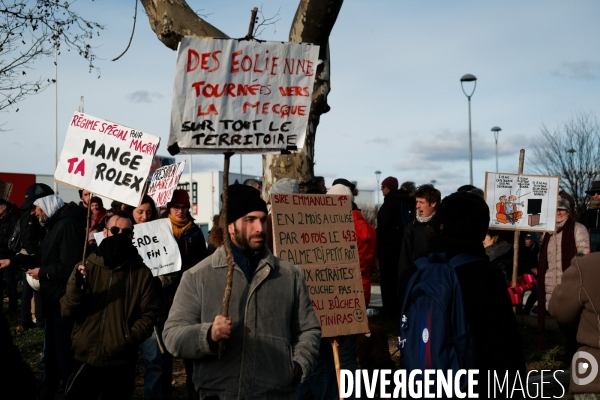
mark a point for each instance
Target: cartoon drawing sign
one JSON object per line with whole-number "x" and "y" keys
{"x": 316, "y": 233}
{"x": 241, "y": 96}
{"x": 106, "y": 158}
{"x": 524, "y": 202}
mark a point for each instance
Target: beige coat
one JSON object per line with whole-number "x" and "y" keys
{"x": 579, "y": 295}
{"x": 554, "y": 272}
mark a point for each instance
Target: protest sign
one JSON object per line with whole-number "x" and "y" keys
{"x": 106, "y": 158}
{"x": 521, "y": 202}
{"x": 156, "y": 244}
{"x": 163, "y": 182}
{"x": 316, "y": 233}
{"x": 241, "y": 96}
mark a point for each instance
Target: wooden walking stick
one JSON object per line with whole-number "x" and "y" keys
{"x": 336, "y": 360}
{"x": 223, "y": 219}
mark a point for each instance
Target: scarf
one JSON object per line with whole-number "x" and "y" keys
{"x": 424, "y": 220}
{"x": 49, "y": 204}
{"x": 179, "y": 227}
{"x": 568, "y": 250}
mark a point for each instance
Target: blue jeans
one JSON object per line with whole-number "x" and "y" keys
{"x": 58, "y": 356}
{"x": 153, "y": 362}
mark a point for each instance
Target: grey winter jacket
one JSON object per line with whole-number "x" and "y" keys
{"x": 274, "y": 325}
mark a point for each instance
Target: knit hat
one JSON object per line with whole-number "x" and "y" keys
{"x": 563, "y": 204}
{"x": 341, "y": 189}
{"x": 285, "y": 185}
{"x": 390, "y": 182}
{"x": 462, "y": 215}
{"x": 97, "y": 200}
{"x": 242, "y": 200}
{"x": 35, "y": 192}
{"x": 181, "y": 196}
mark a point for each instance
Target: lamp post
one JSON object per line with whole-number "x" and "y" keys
{"x": 469, "y": 78}
{"x": 377, "y": 175}
{"x": 496, "y": 131}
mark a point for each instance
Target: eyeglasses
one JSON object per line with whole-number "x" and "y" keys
{"x": 115, "y": 230}
{"x": 180, "y": 207}
{"x": 594, "y": 192}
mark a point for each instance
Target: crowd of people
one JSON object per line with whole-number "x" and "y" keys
{"x": 85, "y": 284}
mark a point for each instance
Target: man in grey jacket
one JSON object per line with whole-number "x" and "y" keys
{"x": 272, "y": 336}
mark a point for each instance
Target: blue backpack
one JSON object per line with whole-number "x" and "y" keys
{"x": 434, "y": 333}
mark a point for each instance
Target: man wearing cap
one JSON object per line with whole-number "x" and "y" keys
{"x": 272, "y": 335}
{"x": 111, "y": 297}
{"x": 395, "y": 214}
{"x": 590, "y": 218}
{"x": 61, "y": 250}
{"x": 556, "y": 252}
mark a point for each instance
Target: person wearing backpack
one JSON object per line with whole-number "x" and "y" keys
{"x": 416, "y": 236}
{"x": 476, "y": 292}
{"x": 395, "y": 214}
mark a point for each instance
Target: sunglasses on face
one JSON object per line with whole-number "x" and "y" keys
{"x": 594, "y": 193}
{"x": 115, "y": 230}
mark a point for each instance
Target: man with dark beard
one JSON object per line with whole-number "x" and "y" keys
{"x": 272, "y": 334}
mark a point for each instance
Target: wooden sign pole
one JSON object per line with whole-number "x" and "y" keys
{"x": 336, "y": 359}
{"x": 517, "y": 233}
{"x": 223, "y": 219}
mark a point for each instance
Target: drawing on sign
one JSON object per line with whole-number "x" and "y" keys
{"x": 163, "y": 182}
{"x": 105, "y": 158}
{"x": 316, "y": 233}
{"x": 241, "y": 96}
{"x": 525, "y": 202}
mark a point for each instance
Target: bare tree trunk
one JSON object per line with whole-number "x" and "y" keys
{"x": 173, "y": 19}
{"x": 312, "y": 23}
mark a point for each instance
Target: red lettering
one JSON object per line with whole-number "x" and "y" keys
{"x": 210, "y": 110}
{"x": 193, "y": 60}
{"x": 256, "y": 64}
{"x": 235, "y": 62}
{"x": 274, "y": 65}
{"x": 217, "y": 62}
{"x": 80, "y": 168}
{"x": 71, "y": 161}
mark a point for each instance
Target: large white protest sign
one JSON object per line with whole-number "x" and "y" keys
{"x": 106, "y": 158}
{"x": 163, "y": 182}
{"x": 524, "y": 202}
{"x": 156, "y": 244}
{"x": 242, "y": 96}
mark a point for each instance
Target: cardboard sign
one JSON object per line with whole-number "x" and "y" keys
{"x": 524, "y": 202}
{"x": 106, "y": 158}
{"x": 241, "y": 96}
{"x": 316, "y": 233}
{"x": 156, "y": 244}
{"x": 163, "y": 182}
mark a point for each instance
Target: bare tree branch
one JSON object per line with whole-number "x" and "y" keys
{"x": 571, "y": 152}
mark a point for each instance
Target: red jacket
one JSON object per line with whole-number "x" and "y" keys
{"x": 366, "y": 240}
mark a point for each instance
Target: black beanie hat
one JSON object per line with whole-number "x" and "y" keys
{"x": 243, "y": 199}
{"x": 464, "y": 215}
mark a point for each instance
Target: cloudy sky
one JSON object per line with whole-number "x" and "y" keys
{"x": 396, "y": 101}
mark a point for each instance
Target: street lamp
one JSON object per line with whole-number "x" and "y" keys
{"x": 469, "y": 78}
{"x": 377, "y": 175}
{"x": 496, "y": 131}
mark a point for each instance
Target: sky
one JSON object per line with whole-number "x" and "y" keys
{"x": 396, "y": 99}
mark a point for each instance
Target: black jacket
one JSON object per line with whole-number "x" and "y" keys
{"x": 7, "y": 225}
{"x": 61, "y": 251}
{"x": 395, "y": 213}
{"x": 26, "y": 241}
{"x": 590, "y": 218}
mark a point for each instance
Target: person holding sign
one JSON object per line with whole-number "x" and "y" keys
{"x": 272, "y": 335}
{"x": 113, "y": 301}
{"x": 192, "y": 248}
